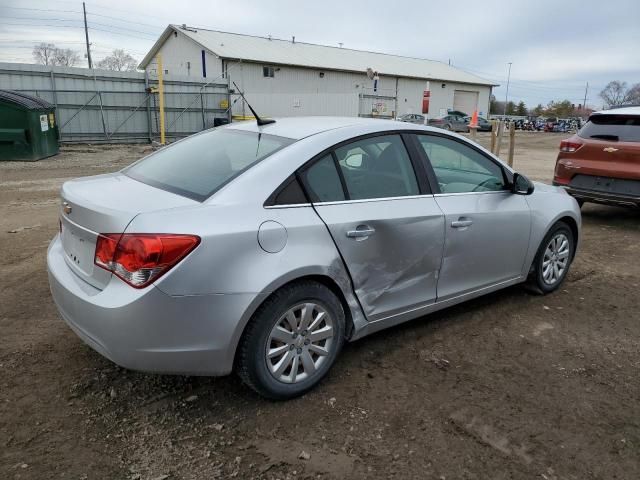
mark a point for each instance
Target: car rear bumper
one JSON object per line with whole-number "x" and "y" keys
{"x": 601, "y": 197}
{"x": 147, "y": 329}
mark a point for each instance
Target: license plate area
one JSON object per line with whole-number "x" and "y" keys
{"x": 618, "y": 186}
{"x": 79, "y": 247}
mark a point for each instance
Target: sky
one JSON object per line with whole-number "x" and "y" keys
{"x": 555, "y": 46}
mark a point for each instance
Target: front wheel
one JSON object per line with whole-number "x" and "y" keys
{"x": 292, "y": 341}
{"x": 553, "y": 259}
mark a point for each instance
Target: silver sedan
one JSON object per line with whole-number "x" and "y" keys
{"x": 262, "y": 249}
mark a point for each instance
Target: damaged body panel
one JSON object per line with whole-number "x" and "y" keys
{"x": 394, "y": 264}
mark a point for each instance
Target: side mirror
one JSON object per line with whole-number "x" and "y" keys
{"x": 521, "y": 185}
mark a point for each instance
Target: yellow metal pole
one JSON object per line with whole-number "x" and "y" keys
{"x": 160, "y": 97}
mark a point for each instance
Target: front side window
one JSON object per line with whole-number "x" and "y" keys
{"x": 459, "y": 168}
{"x": 377, "y": 167}
{"x": 199, "y": 165}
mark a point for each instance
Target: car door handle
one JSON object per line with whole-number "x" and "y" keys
{"x": 361, "y": 232}
{"x": 461, "y": 223}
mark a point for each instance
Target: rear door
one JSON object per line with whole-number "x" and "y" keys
{"x": 487, "y": 227}
{"x": 383, "y": 219}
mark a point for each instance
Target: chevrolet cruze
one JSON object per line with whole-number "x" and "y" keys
{"x": 263, "y": 248}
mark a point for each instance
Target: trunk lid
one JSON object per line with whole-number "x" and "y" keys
{"x": 104, "y": 204}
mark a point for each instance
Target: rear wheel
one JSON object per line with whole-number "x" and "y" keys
{"x": 447, "y": 127}
{"x": 553, "y": 259}
{"x": 292, "y": 341}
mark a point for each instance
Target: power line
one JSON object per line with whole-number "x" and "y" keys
{"x": 75, "y": 20}
{"x": 41, "y": 10}
{"x": 121, "y": 20}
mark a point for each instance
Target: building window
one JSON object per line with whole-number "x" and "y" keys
{"x": 268, "y": 72}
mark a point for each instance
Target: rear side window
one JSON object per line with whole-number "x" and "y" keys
{"x": 198, "y": 166}
{"x": 377, "y": 167}
{"x": 323, "y": 181}
{"x": 623, "y": 128}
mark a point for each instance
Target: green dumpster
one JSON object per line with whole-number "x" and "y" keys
{"x": 28, "y": 127}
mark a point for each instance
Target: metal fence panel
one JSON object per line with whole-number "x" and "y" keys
{"x": 103, "y": 106}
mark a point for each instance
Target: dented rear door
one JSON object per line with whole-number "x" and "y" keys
{"x": 388, "y": 229}
{"x": 392, "y": 249}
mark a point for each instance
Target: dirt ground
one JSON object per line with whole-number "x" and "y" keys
{"x": 510, "y": 386}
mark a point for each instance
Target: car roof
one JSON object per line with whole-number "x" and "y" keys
{"x": 631, "y": 110}
{"x": 302, "y": 127}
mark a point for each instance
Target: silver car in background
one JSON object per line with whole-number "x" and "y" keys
{"x": 412, "y": 118}
{"x": 261, "y": 249}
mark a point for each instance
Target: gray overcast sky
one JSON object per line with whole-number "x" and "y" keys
{"x": 556, "y": 46}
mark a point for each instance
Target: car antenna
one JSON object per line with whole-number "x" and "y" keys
{"x": 260, "y": 121}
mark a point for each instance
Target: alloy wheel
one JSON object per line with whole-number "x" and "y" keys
{"x": 556, "y": 259}
{"x": 300, "y": 342}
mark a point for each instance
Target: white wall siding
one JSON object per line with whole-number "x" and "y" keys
{"x": 182, "y": 56}
{"x": 410, "y": 96}
{"x": 302, "y": 80}
{"x": 296, "y": 91}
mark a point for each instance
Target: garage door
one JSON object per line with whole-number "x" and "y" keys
{"x": 465, "y": 101}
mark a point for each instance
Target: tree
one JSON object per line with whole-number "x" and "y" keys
{"x": 496, "y": 107}
{"x": 49, "y": 54}
{"x": 119, "y": 61}
{"x": 44, "y": 53}
{"x": 562, "y": 109}
{"x": 511, "y": 108}
{"x": 538, "y": 111}
{"x": 617, "y": 93}
{"x": 521, "y": 109}
{"x": 65, "y": 57}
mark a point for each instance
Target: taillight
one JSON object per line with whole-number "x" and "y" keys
{"x": 141, "y": 258}
{"x": 569, "y": 146}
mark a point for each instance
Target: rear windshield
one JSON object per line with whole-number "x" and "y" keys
{"x": 623, "y": 128}
{"x": 199, "y": 165}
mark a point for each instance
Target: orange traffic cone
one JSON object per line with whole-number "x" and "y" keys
{"x": 474, "y": 120}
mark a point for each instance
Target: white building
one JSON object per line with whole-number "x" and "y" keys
{"x": 290, "y": 78}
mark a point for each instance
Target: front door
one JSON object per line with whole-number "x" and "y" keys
{"x": 487, "y": 227}
{"x": 389, "y": 232}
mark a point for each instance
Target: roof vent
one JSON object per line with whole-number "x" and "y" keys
{"x": 189, "y": 29}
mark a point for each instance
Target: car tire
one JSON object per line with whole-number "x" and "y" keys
{"x": 447, "y": 127}
{"x": 553, "y": 259}
{"x": 263, "y": 351}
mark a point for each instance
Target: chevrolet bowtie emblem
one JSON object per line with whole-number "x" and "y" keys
{"x": 609, "y": 149}
{"x": 66, "y": 208}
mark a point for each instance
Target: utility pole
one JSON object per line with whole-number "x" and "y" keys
{"x": 86, "y": 34}
{"x": 506, "y": 97}
{"x": 584, "y": 104}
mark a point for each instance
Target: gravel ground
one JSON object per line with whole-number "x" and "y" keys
{"x": 511, "y": 385}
